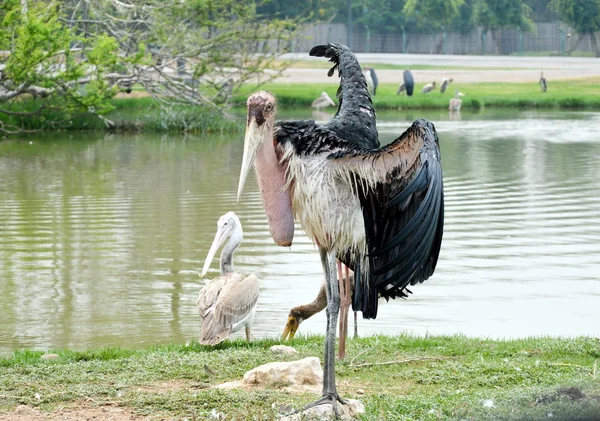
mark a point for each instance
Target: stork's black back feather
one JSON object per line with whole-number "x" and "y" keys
{"x": 355, "y": 119}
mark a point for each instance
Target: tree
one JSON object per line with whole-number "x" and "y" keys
{"x": 47, "y": 62}
{"x": 75, "y": 55}
{"x": 582, "y": 15}
{"x": 432, "y": 15}
{"x": 495, "y": 15}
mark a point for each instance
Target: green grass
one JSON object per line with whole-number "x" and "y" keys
{"x": 520, "y": 377}
{"x": 316, "y": 64}
{"x": 128, "y": 114}
{"x": 565, "y": 94}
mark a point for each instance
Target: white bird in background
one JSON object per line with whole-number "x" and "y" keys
{"x": 445, "y": 83}
{"x": 428, "y": 88}
{"x": 455, "y": 103}
{"x": 228, "y": 302}
{"x": 323, "y": 101}
{"x": 372, "y": 80}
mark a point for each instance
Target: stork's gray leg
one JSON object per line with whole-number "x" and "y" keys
{"x": 330, "y": 395}
{"x": 355, "y": 325}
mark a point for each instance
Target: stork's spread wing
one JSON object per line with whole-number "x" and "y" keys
{"x": 237, "y": 299}
{"x": 401, "y": 193}
{"x": 355, "y": 118}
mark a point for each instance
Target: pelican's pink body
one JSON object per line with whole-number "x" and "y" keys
{"x": 276, "y": 197}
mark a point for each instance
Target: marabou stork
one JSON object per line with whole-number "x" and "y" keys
{"x": 408, "y": 84}
{"x": 445, "y": 83}
{"x": 543, "y": 82}
{"x": 428, "y": 88}
{"x": 228, "y": 302}
{"x": 379, "y": 209}
{"x": 456, "y": 102}
{"x": 323, "y": 101}
{"x": 372, "y": 80}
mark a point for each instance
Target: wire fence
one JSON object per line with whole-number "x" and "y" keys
{"x": 549, "y": 39}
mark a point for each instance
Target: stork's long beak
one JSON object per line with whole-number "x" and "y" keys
{"x": 290, "y": 329}
{"x": 252, "y": 142}
{"x": 220, "y": 238}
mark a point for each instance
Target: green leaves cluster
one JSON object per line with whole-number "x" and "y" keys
{"x": 499, "y": 14}
{"x": 583, "y": 15}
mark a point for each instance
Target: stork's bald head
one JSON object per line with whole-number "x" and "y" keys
{"x": 261, "y": 108}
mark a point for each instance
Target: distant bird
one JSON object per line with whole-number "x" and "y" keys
{"x": 378, "y": 209}
{"x": 323, "y": 101}
{"x": 302, "y": 312}
{"x": 543, "y": 82}
{"x": 228, "y": 302}
{"x": 372, "y": 80}
{"x": 455, "y": 103}
{"x": 428, "y": 88}
{"x": 445, "y": 83}
{"x": 408, "y": 85}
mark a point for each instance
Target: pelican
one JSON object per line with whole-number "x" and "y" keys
{"x": 408, "y": 85}
{"x": 428, "y": 88}
{"x": 456, "y": 102}
{"x": 445, "y": 83}
{"x": 228, "y": 302}
{"x": 372, "y": 80}
{"x": 302, "y": 312}
{"x": 543, "y": 82}
{"x": 323, "y": 101}
{"x": 379, "y": 208}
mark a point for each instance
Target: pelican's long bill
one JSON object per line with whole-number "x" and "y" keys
{"x": 220, "y": 237}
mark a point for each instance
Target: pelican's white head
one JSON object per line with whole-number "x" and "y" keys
{"x": 228, "y": 226}
{"x": 259, "y": 126}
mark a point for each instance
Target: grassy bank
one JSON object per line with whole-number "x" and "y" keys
{"x": 567, "y": 94}
{"x": 472, "y": 379}
{"x": 128, "y": 114}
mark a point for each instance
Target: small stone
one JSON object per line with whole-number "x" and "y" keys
{"x": 351, "y": 411}
{"x": 488, "y": 403}
{"x": 49, "y": 357}
{"x": 360, "y": 392}
{"x": 296, "y": 373}
{"x": 283, "y": 349}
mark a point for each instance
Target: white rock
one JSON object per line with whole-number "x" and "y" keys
{"x": 293, "y": 376}
{"x": 294, "y": 373}
{"x": 49, "y": 357}
{"x": 283, "y": 349}
{"x": 488, "y": 403}
{"x": 351, "y": 411}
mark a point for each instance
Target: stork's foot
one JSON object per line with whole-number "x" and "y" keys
{"x": 331, "y": 399}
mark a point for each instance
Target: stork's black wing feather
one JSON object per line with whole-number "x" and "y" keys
{"x": 355, "y": 118}
{"x": 401, "y": 193}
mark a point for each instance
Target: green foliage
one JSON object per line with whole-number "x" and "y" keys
{"x": 500, "y": 14}
{"x": 432, "y": 14}
{"x": 583, "y": 15}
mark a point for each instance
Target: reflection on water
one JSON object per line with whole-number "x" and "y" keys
{"x": 102, "y": 237}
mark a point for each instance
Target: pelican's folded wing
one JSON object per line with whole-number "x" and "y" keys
{"x": 237, "y": 299}
{"x": 400, "y": 189}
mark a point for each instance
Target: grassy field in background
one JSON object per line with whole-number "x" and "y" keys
{"x": 479, "y": 379}
{"x": 566, "y": 94}
{"x": 323, "y": 64}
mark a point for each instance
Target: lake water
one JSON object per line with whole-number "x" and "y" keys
{"x": 102, "y": 236}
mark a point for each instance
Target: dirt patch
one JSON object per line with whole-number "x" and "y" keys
{"x": 80, "y": 413}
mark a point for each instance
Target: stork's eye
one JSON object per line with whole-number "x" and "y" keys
{"x": 269, "y": 107}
